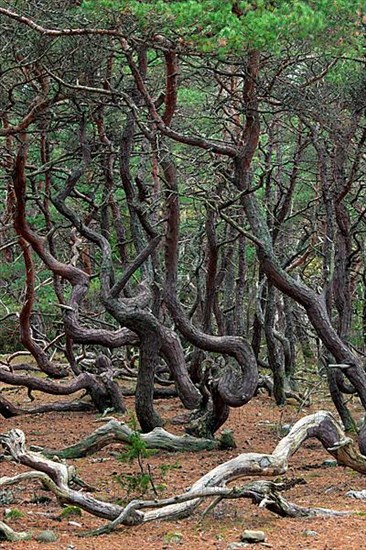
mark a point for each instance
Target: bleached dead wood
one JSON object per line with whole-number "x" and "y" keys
{"x": 322, "y": 425}
{"x": 11, "y": 535}
{"x": 114, "y": 432}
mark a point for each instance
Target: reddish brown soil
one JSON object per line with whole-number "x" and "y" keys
{"x": 256, "y": 428}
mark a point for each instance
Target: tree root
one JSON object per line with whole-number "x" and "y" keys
{"x": 266, "y": 382}
{"x": 104, "y": 392}
{"x": 115, "y": 432}
{"x": 322, "y": 425}
{"x": 264, "y": 493}
{"x": 9, "y": 410}
{"x": 11, "y": 535}
{"x": 159, "y": 393}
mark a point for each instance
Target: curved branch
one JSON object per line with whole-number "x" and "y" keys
{"x": 57, "y": 476}
{"x": 24, "y": 319}
{"x": 114, "y": 432}
{"x": 85, "y": 381}
{"x": 235, "y": 389}
{"x": 56, "y": 32}
{"x": 203, "y": 143}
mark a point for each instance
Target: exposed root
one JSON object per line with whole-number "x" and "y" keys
{"x": 114, "y": 432}
{"x": 9, "y": 410}
{"x": 11, "y": 535}
{"x": 322, "y": 425}
{"x": 264, "y": 493}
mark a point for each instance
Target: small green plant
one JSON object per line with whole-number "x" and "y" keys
{"x": 46, "y": 536}
{"x": 70, "y": 511}
{"x": 140, "y": 482}
{"x": 137, "y": 450}
{"x": 227, "y": 440}
{"x": 173, "y": 537}
{"x": 137, "y": 484}
{"x": 165, "y": 468}
{"x": 13, "y": 514}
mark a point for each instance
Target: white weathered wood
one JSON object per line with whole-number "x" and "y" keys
{"x": 321, "y": 425}
{"x": 11, "y": 535}
{"x": 114, "y": 431}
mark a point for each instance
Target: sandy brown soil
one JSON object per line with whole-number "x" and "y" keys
{"x": 256, "y": 427}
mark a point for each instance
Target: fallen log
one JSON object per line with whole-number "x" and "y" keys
{"x": 321, "y": 425}
{"x": 115, "y": 432}
{"x": 104, "y": 392}
{"x": 11, "y": 535}
{"x": 9, "y": 410}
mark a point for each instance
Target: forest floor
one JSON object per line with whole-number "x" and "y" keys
{"x": 256, "y": 427}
